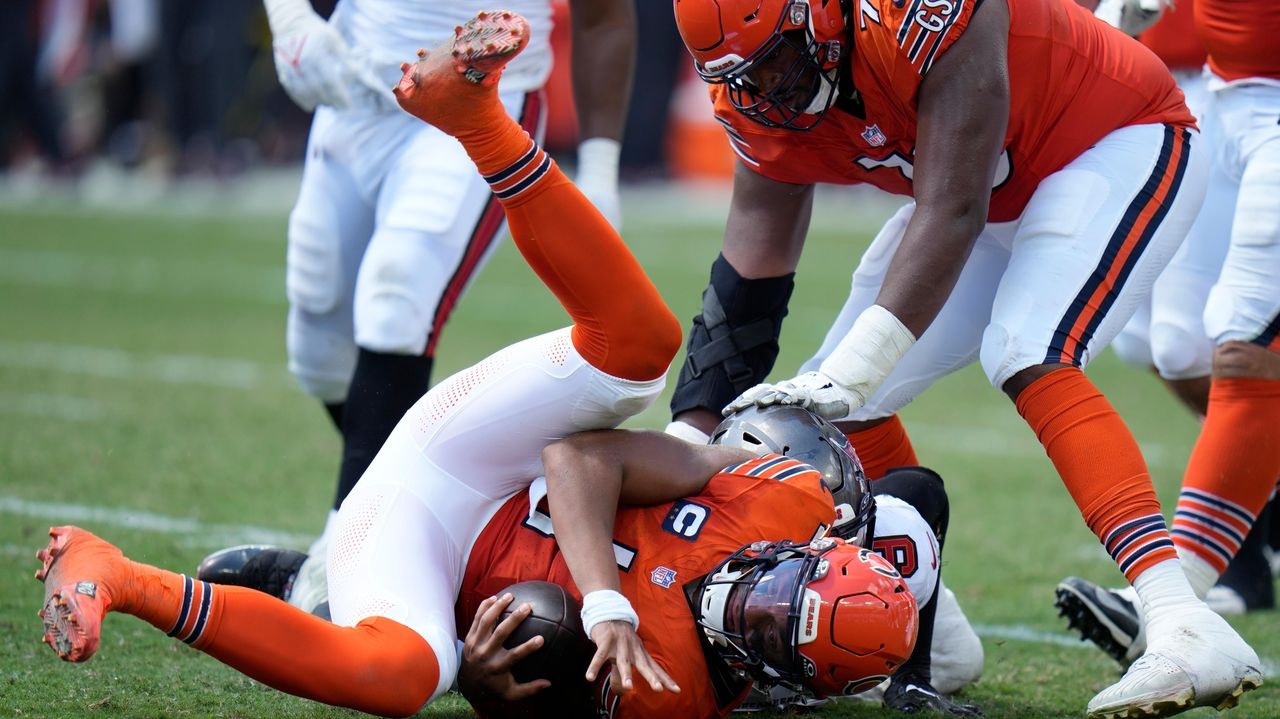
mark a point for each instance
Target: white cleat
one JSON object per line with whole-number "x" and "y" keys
{"x": 1194, "y": 659}
{"x": 311, "y": 585}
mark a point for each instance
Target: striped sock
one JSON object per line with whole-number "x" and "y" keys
{"x": 1100, "y": 465}
{"x": 519, "y": 177}
{"x": 1134, "y": 543}
{"x": 193, "y": 615}
{"x": 1210, "y": 527}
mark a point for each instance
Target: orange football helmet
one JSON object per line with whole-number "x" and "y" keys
{"x": 827, "y": 618}
{"x": 779, "y": 59}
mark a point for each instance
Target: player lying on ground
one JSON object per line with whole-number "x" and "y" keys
{"x": 674, "y": 545}
{"x": 429, "y": 513}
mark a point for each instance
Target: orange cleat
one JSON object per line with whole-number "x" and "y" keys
{"x": 444, "y": 86}
{"x": 79, "y": 572}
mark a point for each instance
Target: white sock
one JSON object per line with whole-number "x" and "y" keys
{"x": 1163, "y": 587}
{"x": 1199, "y": 573}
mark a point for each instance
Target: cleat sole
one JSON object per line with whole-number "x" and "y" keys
{"x": 486, "y": 42}
{"x": 1085, "y": 621}
{"x": 73, "y": 638}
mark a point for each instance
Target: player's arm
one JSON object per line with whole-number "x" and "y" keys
{"x": 604, "y": 55}
{"x": 588, "y": 475}
{"x": 763, "y": 238}
{"x": 767, "y": 224}
{"x": 963, "y": 113}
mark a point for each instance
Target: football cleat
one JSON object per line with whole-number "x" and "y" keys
{"x": 1195, "y": 660}
{"x": 440, "y": 87}
{"x": 79, "y": 571}
{"x": 1109, "y": 618}
{"x": 267, "y": 569}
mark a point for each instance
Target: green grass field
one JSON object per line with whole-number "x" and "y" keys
{"x": 143, "y": 394}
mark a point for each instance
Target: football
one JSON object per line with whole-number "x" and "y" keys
{"x": 564, "y": 656}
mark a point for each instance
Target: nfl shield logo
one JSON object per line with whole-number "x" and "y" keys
{"x": 663, "y": 577}
{"x": 873, "y": 136}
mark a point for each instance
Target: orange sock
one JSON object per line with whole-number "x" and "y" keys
{"x": 621, "y": 323}
{"x": 1232, "y": 470}
{"x": 378, "y": 666}
{"x": 1101, "y": 466}
{"x": 883, "y": 447}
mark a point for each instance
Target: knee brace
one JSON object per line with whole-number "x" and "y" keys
{"x": 923, "y": 489}
{"x": 734, "y": 341}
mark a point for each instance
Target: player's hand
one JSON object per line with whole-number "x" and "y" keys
{"x": 813, "y": 391}
{"x": 617, "y": 642}
{"x": 486, "y": 664}
{"x": 316, "y": 67}
{"x": 913, "y": 694}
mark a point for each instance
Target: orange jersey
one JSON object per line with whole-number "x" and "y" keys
{"x": 1242, "y": 37}
{"x": 661, "y": 549}
{"x": 1072, "y": 81}
{"x": 1174, "y": 39}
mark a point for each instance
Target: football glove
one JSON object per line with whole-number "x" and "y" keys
{"x": 313, "y": 62}
{"x": 813, "y": 391}
{"x": 913, "y": 694}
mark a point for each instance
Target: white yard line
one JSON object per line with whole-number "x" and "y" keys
{"x": 51, "y": 406}
{"x": 151, "y": 367}
{"x": 192, "y": 531}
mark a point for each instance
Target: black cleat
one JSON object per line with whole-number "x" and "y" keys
{"x": 266, "y": 569}
{"x": 1103, "y": 617}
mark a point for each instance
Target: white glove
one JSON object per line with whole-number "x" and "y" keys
{"x": 813, "y": 391}
{"x": 598, "y": 177}
{"x": 313, "y": 62}
{"x": 1131, "y": 17}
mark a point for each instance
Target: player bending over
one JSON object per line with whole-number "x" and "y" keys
{"x": 425, "y": 517}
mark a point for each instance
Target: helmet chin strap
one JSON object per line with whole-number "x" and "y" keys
{"x": 824, "y": 98}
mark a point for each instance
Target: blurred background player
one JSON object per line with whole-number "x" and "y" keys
{"x": 1186, "y": 351}
{"x": 448, "y": 502}
{"x": 1041, "y": 219}
{"x": 1235, "y": 462}
{"x": 392, "y": 222}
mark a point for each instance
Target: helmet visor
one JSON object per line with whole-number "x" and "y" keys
{"x": 765, "y": 613}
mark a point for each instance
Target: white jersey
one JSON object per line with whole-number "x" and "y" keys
{"x": 905, "y": 539}
{"x": 389, "y": 32}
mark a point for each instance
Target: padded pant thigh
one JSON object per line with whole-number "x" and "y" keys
{"x": 1089, "y": 246}
{"x": 329, "y": 228}
{"x": 437, "y": 225}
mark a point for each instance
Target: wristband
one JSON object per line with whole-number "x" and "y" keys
{"x": 868, "y": 352}
{"x": 687, "y": 432}
{"x": 606, "y": 605}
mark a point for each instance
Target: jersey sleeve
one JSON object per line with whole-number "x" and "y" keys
{"x": 775, "y": 497}
{"x": 922, "y": 30}
{"x": 905, "y": 539}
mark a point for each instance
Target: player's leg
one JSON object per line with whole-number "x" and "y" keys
{"x": 329, "y": 228}
{"x": 379, "y": 666}
{"x": 437, "y": 224}
{"x": 1073, "y": 281}
{"x": 951, "y": 342}
{"x": 621, "y": 324}
{"x": 1232, "y": 469}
